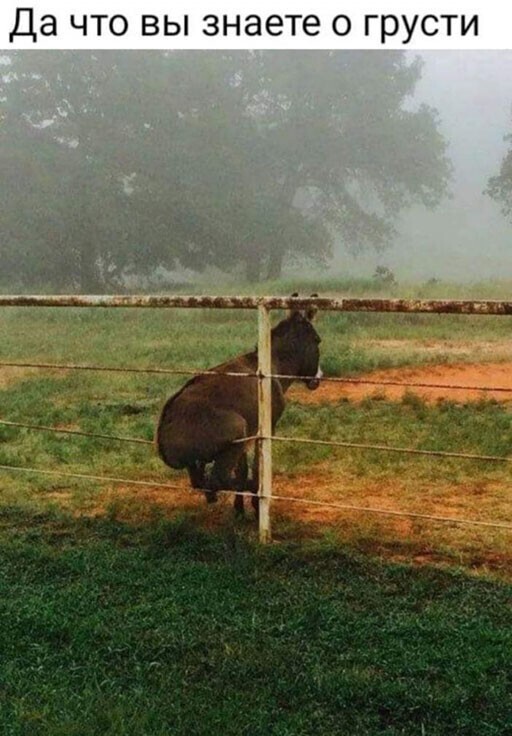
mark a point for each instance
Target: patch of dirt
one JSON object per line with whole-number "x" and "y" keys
{"x": 134, "y": 502}
{"x": 482, "y": 376}
{"x": 401, "y": 539}
{"x": 478, "y": 350}
{"x": 11, "y": 375}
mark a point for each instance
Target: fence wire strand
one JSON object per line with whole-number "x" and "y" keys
{"x": 487, "y": 308}
{"x": 388, "y": 382}
{"x": 389, "y": 512}
{"x": 278, "y": 438}
{"x": 118, "y": 369}
{"x": 274, "y": 497}
{"x": 80, "y": 433}
{"x": 248, "y": 374}
{"x": 387, "y": 448}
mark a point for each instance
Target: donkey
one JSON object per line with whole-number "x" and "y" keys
{"x": 202, "y": 422}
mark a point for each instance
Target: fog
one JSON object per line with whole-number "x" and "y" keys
{"x": 126, "y": 168}
{"x": 466, "y": 237}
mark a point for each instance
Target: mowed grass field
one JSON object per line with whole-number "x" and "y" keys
{"x": 142, "y": 611}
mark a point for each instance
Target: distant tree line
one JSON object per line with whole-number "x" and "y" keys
{"x": 116, "y": 163}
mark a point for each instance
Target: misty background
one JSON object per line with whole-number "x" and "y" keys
{"x": 129, "y": 169}
{"x": 466, "y": 237}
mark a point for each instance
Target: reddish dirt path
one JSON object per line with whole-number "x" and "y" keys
{"x": 481, "y": 375}
{"x": 401, "y": 539}
{"x": 397, "y": 538}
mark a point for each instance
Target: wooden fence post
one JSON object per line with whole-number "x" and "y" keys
{"x": 264, "y": 422}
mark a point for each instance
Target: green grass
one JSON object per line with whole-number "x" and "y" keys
{"x": 110, "y": 629}
{"x": 129, "y": 407}
{"x": 484, "y": 428}
{"x": 198, "y": 338}
{"x": 128, "y": 404}
{"x": 142, "y": 622}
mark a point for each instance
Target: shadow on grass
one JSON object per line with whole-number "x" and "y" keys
{"x": 110, "y": 627}
{"x": 190, "y": 534}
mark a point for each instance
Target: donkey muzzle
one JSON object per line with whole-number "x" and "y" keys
{"x": 314, "y": 383}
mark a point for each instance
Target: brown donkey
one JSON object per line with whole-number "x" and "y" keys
{"x": 199, "y": 424}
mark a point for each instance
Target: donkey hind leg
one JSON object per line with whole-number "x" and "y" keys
{"x": 197, "y": 475}
{"x": 225, "y": 472}
{"x": 200, "y": 481}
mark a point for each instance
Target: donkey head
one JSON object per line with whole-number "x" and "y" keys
{"x": 296, "y": 344}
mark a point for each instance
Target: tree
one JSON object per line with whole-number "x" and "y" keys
{"x": 330, "y": 144}
{"x": 499, "y": 187}
{"x": 129, "y": 160}
{"x": 62, "y": 143}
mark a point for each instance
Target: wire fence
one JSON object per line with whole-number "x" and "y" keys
{"x": 274, "y": 438}
{"x": 275, "y": 497}
{"x": 198, "y": 372}
{"x": 264, "y": 376}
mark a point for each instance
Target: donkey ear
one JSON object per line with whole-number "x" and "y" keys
{"x": 293, "y": 310}
{"x": 311, "y": 311}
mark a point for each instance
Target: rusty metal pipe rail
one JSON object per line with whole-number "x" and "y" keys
{"x": 340, "y": 304}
